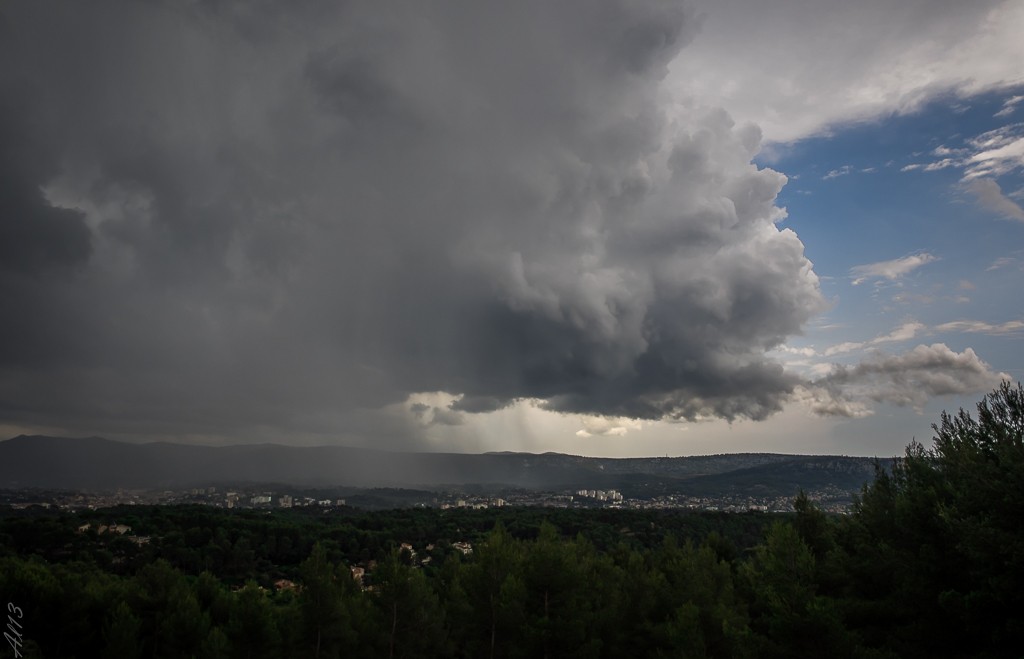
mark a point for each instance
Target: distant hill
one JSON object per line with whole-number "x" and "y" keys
{"x": 94, "y": 463}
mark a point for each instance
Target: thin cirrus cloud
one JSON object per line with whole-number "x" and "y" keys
{"x": 996, "y": 152}
{"x": 890, "y": 270}
{"x": 991, "y": 154}
{"x": 981, "y": 327}
{"x": 836, "y": 173}
{"x": 982, "y": 160}
{"x": 1009, "y": 106}
{"x": 1003, "y": 262}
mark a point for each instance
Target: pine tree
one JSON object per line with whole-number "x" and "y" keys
{"x": 122, "y": 634}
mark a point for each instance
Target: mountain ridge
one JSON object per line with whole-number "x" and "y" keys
{"x": 97, "y": 463}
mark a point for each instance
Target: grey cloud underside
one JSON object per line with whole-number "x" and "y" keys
{"x": 907, "y": 380}
{"x": 235, "y": 216}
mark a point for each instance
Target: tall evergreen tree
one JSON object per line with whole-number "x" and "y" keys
{"x": 495, "y": 588}
{"x": 935, "y": 551}
{"x": 324, "y": 618}
{"x": 252, "y": 629}
{"x": 122, "y": 633}
{"x": 413, "y": 622}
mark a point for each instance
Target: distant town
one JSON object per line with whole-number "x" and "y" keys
{"x": 831, "y": 499}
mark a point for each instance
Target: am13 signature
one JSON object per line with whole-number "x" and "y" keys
{"x": 14, "y": 628}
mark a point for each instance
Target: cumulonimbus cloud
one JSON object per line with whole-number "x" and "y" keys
{"x": 273, "y": 218}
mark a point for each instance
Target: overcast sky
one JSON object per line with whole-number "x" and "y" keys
{"x": 597, "y": 227}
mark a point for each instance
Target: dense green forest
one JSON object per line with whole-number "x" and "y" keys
{"x": 930, "y": 564}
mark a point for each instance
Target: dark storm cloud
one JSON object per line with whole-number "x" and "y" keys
{"x": 287, "y": 218}
{"x": 34, "y": 236}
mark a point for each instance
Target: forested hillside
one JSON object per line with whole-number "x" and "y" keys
{"x": 930, "y": 564}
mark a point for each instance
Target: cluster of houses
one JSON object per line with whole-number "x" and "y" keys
{"x": 118, "y": 529}
{"x": 361, "y": 571}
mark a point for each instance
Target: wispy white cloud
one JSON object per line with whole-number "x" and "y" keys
{"x": 904, "y": 332}
{"x": 1000, "y": 263}
{"x": 904, "y": 297}
{"x": 1009, "y": 106}
{"x": 836, "y": 173}
{"x": 847, "y": 169}
{"x": 940, "y": 164}
{"x": 982, "y": 327}
{"x": 995, "y": 152}
{"x": 844, "y": 347}
{"x": 990, "y": 196}
{"x": 986, "y": 156}
{"x": 892, "y": 270}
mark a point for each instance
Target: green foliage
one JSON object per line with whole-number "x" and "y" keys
{"x": 493, "y": 582}
{"x": 409, "y": 610}
{"x": 251, "y": 628}
{"x": 323, "y": 614}
{"x": 558, "y": 614}
{"x": 793, "y": 620}
{"x": 943, "y": 533}
{"x": 981, "y": 506}
{"x": 122, "y": 633}
{"x": 703, "y": 617}
{"x": 813, "y": 526}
